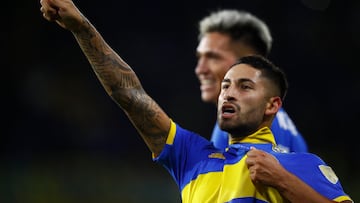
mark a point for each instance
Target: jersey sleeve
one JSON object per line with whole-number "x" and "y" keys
{"x": 316, "y": 173}
{"x": 183, "y": 150}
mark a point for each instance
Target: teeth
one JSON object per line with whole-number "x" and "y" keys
{"x": 206, "y": 82}
{"x": 228, "y": 110}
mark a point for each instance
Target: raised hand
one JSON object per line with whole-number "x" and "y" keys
{"x": 63, "y": 12}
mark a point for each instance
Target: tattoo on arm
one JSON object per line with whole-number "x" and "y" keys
{"x": 124, "y": 87}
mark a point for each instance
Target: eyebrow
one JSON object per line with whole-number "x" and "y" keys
{"x": 226, "y": 80}
{"x": 240, "y": 80}
{"x": 209, "y": 53}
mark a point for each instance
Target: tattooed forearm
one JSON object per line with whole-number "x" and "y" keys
{"x": 124, "y": 87}
{"x": 142, "y": 109}
{"x": 112, "y": 71}
{"x": 146, "y": 115}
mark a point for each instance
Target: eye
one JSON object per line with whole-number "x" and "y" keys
{"x": 245, "y": 86}
{"x": 224, "y": 85}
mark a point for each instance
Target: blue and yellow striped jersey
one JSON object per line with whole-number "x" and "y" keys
{"x": 206, "y": 174}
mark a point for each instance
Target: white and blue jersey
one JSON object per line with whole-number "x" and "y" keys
{"x": 207, "y": 174}
{"x": 286, "y": 135}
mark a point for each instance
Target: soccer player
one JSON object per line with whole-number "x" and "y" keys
{"x": 225, "y": 36}
{"x": 251, "y": 94}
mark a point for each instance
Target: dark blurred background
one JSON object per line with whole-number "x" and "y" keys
{"x": 64, "y": 140}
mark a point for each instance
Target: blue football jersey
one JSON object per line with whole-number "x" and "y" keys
{"x": 204, "y": 173}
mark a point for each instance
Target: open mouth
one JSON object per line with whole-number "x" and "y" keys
{"x": 228, "y": 110}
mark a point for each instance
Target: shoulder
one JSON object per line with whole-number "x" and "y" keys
{"x": 286, "y": 133}
{"x": 185, "y": 136}
{"x": 283, "y": 122}
{"x": 299, "y": 158}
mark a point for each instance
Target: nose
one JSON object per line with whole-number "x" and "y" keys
{"x": 229, "y": 97}
{"x": 228, "y": 94}
{"x": 201, "y": 66}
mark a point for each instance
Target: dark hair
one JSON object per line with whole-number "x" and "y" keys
{"x": 240, "y": 26}
{"x": 268, "y": 70}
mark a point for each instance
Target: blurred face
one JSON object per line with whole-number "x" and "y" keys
{"x": 216, "y": 53}
{"x": 245, "y": 105}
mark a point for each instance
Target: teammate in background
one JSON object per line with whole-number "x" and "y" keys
{"x": 225, "y": 36}
{"x": 252, "y": 93}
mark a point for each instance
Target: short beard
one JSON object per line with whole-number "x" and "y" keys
{"x": 240, "y": 131}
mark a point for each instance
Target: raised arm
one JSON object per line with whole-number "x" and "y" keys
{"x": 265, "y": 169}
{"x": 116, "y": 76}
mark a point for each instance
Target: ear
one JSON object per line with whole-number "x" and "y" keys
{"x": 273, "y": 106}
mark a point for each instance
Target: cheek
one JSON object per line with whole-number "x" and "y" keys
{"x": 220, "y": 98}
{"x": 219, "y": 74}
{"x": 252, "y": 102}
{"x": 219, "y": 70}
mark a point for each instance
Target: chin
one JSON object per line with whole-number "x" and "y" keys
{"x": 205, "y": 97}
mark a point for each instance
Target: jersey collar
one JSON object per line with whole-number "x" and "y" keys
{"x": 262, "y": 136}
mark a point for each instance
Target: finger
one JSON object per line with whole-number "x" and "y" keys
{"x": 51, "y": 11}
{"x": 46, "y": 17}
{"x": 252, "y": 149}
{"x": 44, "y": 4}
{"x": 43, "y": 10}
{"x": 252, "y": 152}
{"x": 52, "y": 3}
{"x": 250, "y": 161}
